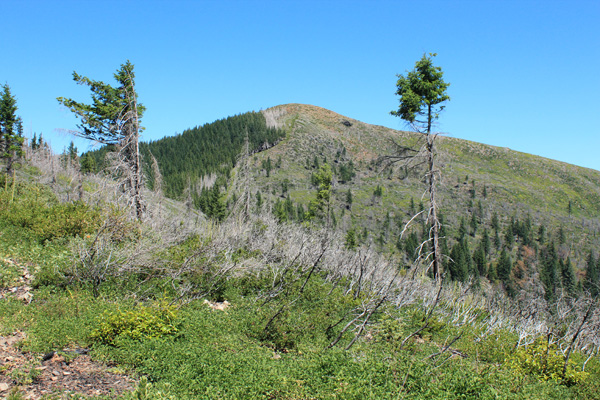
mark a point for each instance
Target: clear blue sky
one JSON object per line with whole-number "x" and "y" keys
{"x": 523, "y": 74}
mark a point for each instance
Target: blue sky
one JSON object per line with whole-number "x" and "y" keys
{"x": 523, "y": 74}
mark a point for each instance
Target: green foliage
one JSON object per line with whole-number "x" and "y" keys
{"x": 146, "y": 390}
{"x": 11, "y": 129}
{"x": 504, "y": 268}
{"x": 212, "y": 203}
{"x": 88, "y": 164}
{"x": 15, "y": 394}
{"x": 569, "y": 280}
{"x": 545, "y": 362}
{"x": 285, "y": 210}
{"x": 25, "y": 375}
{"x": 411, "y": 246}
{"x": 462, "y": 264}
{"x": 9, "y": 272}
{"x": 322, "y": 178}
{"x": 104, "y": 120}
{"x": 346, "y": 172}
{"x": 267, "y": 165}
{"x": 154, "y": 321}
{"x": 378, "y": 191}
{"x": 591, "y": 282}
{"x": 200, "y": 151}
{"x": 36, "y": 209}
{"x": 550, "y": 271}
{"x": 350, "y": 240}
{"x": 421, "y": 91}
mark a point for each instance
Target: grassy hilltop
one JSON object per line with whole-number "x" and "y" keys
{"x": 515, "y": 184}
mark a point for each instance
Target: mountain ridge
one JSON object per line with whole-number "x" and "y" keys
{"x": 559, "y": 195}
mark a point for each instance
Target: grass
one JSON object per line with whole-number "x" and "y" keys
{"x": 262, "y": 346}
{"x": 223, "y": 355}
{"x": 230, "y": 355}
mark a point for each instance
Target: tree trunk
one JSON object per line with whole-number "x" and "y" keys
{"x": 132, "y": 152}
{"x": 434, "y": 223}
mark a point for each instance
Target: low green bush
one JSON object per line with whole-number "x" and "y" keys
{"x": 546, "y": 362}
{"x": 154, "y": 321}
{"x": 35, "y": 208}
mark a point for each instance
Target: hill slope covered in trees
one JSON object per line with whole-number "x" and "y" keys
{"x": 257, "y": 306}
{"x": 496, "y": 204}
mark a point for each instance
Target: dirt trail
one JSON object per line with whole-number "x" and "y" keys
{"x": 68, "y": 371}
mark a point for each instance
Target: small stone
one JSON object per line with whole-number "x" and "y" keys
{"x": 26, "y": 296}
{"x": 3, "y": 387}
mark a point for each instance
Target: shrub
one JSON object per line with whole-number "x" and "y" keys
{"x": 545, "y": 362}
{"x": 153, "y": 321}
{"x": 38, "y": 210}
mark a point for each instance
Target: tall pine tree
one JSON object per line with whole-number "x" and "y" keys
{"x": 11, "y": 129}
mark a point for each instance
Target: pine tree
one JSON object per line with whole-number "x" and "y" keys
{"x": 486, "y": 244}
{"x": 542, "y": 234}
{"x": 319, "y": 207}
{"x": 300, "y": 213}
{"x": 497, "y": 240}
{"x": 462, "y": 230}
{"x": 351, "y": 242}
{"x": 591, "y": 283}
{"x": 474, "y": 224}
{"x": 349, "y": 199}
{"x": 410, "y": 246}
{"x": 503, "y": 270}
{"x": 550, "y": 269}
{"x": 561, "y": 235}
{"x": 459, "y": 264}
{"x": 509, "y": 236}
{"x": 11, "y": 129}
{"x": 423, "y": 94}
{"x": 495, "y": 222}
{"x": 114, "y": 118}
{"x": 267, "y": 165}
{"x": 480, "y": 261}
{"x": 569, "y": 280}
{"x": 259, "y": 200}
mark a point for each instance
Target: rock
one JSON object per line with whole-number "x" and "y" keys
{"x": 217, "y": 305}
{"x": 25, "y": 296}
{"x": 3, "y": 387}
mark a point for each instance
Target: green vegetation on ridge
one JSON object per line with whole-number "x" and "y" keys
{"x": 285, "y": 311}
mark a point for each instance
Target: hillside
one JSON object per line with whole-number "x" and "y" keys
{"x": 508, "y": 183}
{"x": 97, "y": 304}
{"x": 490, "y": 197}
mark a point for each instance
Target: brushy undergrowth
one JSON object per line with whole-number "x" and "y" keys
{"x": 546, "y": 362}
{"x": 267, "y": 344}
{"x": 156, "y": 320}
{"x": 36, "y": 209}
